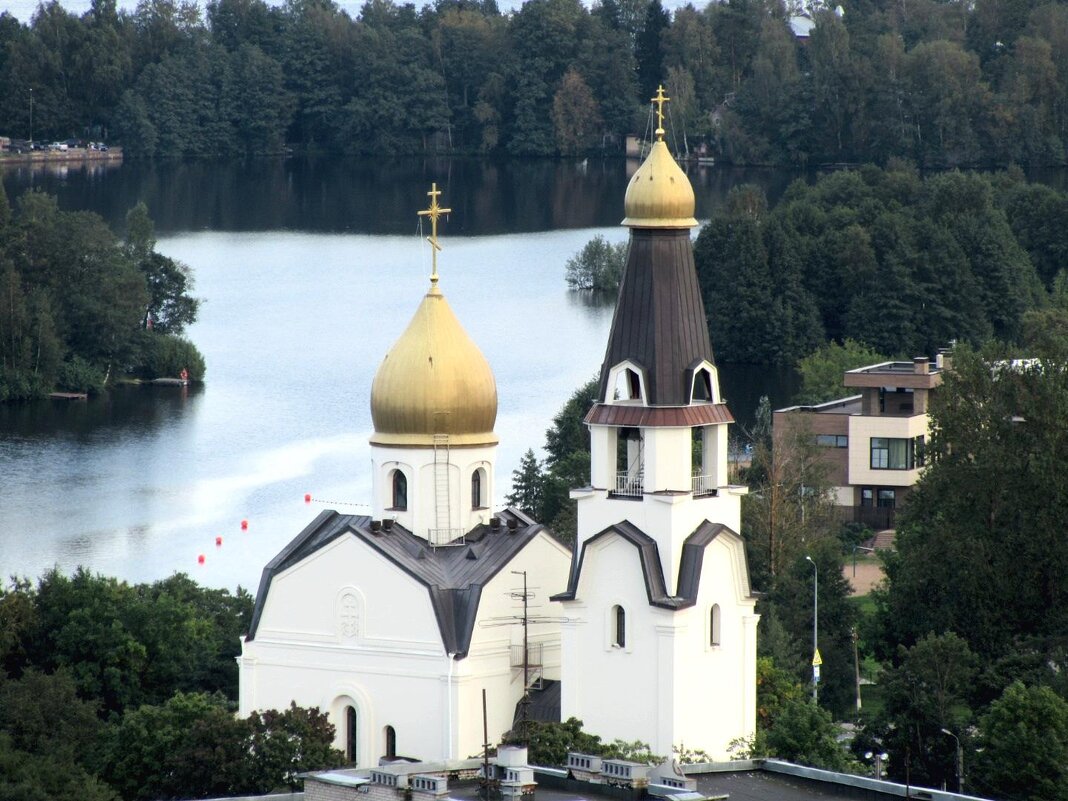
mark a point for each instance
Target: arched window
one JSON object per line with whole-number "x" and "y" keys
{"x": 713, "y": 625}
{"x": 477, "y": 480}
{"x": 391, "y": 742}
{"x": 400, "y": 491}
{"x": 619, "y": 627}
{"x": 352, "y": 752}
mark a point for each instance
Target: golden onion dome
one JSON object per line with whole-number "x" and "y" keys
{"x": 659, "y": 194}
{"x": 434, "y": 380}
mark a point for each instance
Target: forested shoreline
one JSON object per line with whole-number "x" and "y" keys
{"x": 80, "y": 308}
{"x": 937, "y": 84}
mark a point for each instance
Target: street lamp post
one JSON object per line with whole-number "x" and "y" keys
{"x": 960, "y": 760}
{"x": 815, "y": 628}
{"x": 31, "y": 115}
{"x": 880, "y": 758}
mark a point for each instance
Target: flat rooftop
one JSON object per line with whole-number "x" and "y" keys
{"x": 758, "y": 785}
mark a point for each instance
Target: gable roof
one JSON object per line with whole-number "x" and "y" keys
{"x": 453, "y": 575}
{"x": 693, "y": 554}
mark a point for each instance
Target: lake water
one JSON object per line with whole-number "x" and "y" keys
{"x": 308, "y": 271}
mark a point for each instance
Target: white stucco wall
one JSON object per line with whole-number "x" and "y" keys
{"x": 418, "y": 466}
{"x": 668, "y": 685}
{"x": 348, "y": 627}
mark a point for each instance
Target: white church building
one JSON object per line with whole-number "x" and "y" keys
{"x": 659, "y": 632}
{"x": 395, "y": 622}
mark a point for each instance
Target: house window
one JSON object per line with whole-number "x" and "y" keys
{"x": 619, "y": 627}
{"x": 713, "y": 625}
{"x": 400, "y": 491}
{"x": 892, "y": 454}
{"x": 391, "y": 742}
{"x": 887, "y": 499}
{"x": 832, "y": 440}
{"x": 352, "y": 753}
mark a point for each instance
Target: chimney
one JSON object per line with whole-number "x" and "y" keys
{"x": 921, "y": 366}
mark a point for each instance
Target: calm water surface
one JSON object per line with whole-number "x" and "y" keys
{"x": 308, "y": 274}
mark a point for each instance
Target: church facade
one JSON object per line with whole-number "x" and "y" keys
{"x": 659, "y": 638}
{"x": 395, "y": 622}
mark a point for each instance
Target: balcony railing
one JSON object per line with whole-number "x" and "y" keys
{"x": 628, "y": 485}
{"x": 438, "y": 537}
{"x": 534, "y": 655}
{"x": 704, "y": 485}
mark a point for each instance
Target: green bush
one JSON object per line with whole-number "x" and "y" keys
{"x": 78, "y": 375}
{"x": 165, "y": 356}
{"x": 20, "y": 385}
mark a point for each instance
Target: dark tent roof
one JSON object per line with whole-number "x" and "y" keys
{"x": 453, "y": 575}
{"x": 660, "y": 317}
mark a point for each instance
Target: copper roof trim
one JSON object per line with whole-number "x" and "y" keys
{"x": 609, "y": 414}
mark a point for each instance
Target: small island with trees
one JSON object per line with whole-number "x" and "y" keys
{"x": 81, "y": 308}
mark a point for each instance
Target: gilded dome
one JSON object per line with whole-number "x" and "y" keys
{"x": 659, "y": 194}
{"x": 434, "y": 380}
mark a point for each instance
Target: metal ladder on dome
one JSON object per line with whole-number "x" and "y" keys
{"x": 442, "y": 494}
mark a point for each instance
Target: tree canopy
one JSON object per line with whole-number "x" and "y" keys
{"x": 895, "y": 263}
{"x": 110, "y": 690}
{"x": 939, "y": 85}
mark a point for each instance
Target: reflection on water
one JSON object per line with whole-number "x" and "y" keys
{"x": 369, "y": 196}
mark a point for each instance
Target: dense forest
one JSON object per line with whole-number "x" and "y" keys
{"x": 902, "y": 263}
{"x": 939, "y": 84}
{"x": 115, "y": 691}
{"x": 79, "y": 307}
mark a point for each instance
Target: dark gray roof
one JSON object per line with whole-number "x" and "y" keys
{"x": 759, "y": 785}
{"x": 660, "y": 318}
{"x": 544, "y": 705}
{"x": 454, "y": 575}
{"x": 693, "y": 554}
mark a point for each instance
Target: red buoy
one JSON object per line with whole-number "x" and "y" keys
{"x": 218, "y": 540}
{"x": 244, "y": 525}
{"x": 307, "y": 497}
{"x": 200, "y": 559}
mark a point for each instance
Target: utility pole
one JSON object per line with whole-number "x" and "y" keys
{"x": 31, "y": 114}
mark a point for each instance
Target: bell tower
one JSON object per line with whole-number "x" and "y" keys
{"x": 658, "y": 604}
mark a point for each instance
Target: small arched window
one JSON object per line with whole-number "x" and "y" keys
{"x": 400, "y": 491}
{"x": 477, "y": 480}
{"x": 352, "y": 753}
{"x": 713, "y": 625}
{"x": 391, "y": 742}
{"x": 619, "y": 627}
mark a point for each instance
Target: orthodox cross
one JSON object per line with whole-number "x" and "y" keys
{"x": 433, "y": 213}
{"x": 660, "y": 99}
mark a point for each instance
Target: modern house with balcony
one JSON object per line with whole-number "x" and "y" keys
{"x": 874, "y": 440}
